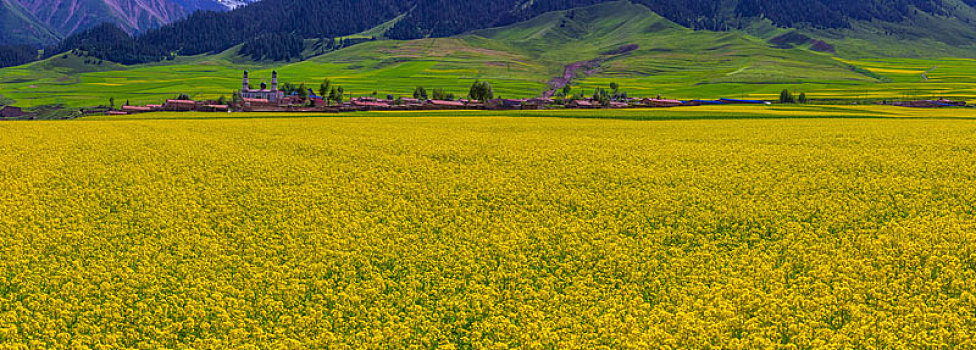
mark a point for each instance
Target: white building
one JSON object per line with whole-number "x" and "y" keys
{"x": 272, "y": 95}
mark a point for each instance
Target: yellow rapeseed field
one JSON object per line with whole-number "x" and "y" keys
{"x": 488, "y": 233}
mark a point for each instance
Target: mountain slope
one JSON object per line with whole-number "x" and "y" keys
{"x": 233, "y": 4}
{"x": 69, "y": 17}
{"x": 627, "y": 43}
{"x": 941, "y": 24}
{"x": 18, "y": 26}
{"x": 191, "y": 6}
{"x": 519, "y": 60}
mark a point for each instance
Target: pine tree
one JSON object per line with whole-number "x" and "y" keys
{"x": 602, "y": 96}
{"x": 481, "y": 91}
{"x": 332, "y": 96}
{"x": 439, "y": 94}
{"x": 420, "y": 93}
{"x": 786, "y": 97}
{"x": 325, "y": 87}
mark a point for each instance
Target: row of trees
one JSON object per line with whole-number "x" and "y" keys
{"x": 480, "y": 90}
{"x": 268, "y": 28}
{"x": 108, "y": 42}
{"x": 326, "y": 45}
{"x": 289, "y": 46}
{"x": 437, "y": 94}
{"x": 15, "y": 55}
{"x": 330, "y": 92}
{"x": 274, "y": 47}
{"x": 787, "y": 97}
{"x": 838, "y": 13}
{"x": 601, "y": 95}
{"x": 207, "y": 32}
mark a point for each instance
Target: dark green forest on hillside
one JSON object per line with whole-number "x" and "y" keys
{"x": 13, "y": 55}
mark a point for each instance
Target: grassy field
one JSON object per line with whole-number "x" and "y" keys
{"x": 682, "y": 113}
{"x": 520, "y": 59}
{"x": 488, "y": 232}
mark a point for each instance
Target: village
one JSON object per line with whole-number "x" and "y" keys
{"x": 272, "y": 99}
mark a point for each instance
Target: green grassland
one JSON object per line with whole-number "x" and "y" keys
{"x": 684, "y": 113}
{"x": 520, "y": 59}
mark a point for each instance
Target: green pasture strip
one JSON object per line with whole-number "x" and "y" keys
{"x": 708, "y": 112}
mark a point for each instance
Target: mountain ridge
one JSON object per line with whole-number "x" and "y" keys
{"x": 133, "y": 16}
{"x": 233, "y": 4}
{"x": 900, "y": 19}
{"x": 20, "y": 27}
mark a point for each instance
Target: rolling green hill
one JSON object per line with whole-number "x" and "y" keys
{"x": 622, "y": 42}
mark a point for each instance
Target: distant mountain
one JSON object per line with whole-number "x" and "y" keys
{"x": 134, "y": 16}
{"x": 19, "y": 26}
{"x": 434, "y": 18}
{"x": 191, "y": 6}
{"x": 877, "y": 24}
{"x": 233, "y": 4}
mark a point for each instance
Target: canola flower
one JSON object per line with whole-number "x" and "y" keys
{"x": 488, "y": 233}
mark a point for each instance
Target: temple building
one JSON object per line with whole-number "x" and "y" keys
{"x": 273, "y": 95}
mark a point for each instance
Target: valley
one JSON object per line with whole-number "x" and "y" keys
{"x": 523, "y": 60}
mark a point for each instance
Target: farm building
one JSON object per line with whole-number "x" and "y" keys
{"x": 537, "y": 103}
{"x": 136, "y": 109}
{"x": 703, "y": 103}
{"x": 446, "y": 104}
{"x": 473, "y": 103}
{"x": 370, "y": 104}
{"x": 733, "y": 101}
{"x": 411, "y": 101}
{"x": 655, "y": 102}
{"x": 179, "y": 105}
{"x": 505, "y": 104}
{"x": 12, "y": 112}
{"x": 931, "y": 104}
{"x": 581, "y": 104}
{"x": 215, "y": 108}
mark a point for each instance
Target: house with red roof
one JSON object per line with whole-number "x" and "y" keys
{"x": 446, "y": 104}
{"x": 12, "y": 112}
{"x": 179, "y": 105}
{"x": 581, "y": 104}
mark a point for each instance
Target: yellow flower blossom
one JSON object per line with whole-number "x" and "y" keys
{"x": 488, "y": 233}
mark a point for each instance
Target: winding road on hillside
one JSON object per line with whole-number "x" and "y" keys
{"x": 925, "y": 75}
{"x": 569, "y": 73}
{"x": 587, "y": 67}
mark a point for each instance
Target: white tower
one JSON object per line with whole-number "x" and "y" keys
{"x": 274, "y": 80}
